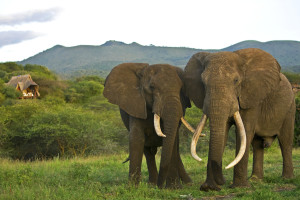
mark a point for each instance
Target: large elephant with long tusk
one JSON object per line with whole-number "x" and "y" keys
{"x": 152, "y": 104}
{"x": 243, "y": 88}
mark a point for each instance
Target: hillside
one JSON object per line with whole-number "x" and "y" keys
{"x": 86, "y": 59}
{"x": 286, "y": 52}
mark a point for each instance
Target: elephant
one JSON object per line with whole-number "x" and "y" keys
{"x": 152, "y": 105}
{"x": 243, "y": 88}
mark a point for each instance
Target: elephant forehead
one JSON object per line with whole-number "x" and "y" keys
{"x": 162, "y": 73}
{"x": 219, "y": 70}
{"x": 160, "y": 68}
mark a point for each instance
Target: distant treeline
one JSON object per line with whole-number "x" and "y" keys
{"x": 72, "y": 118}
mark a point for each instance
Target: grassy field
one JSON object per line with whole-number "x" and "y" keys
{"x": 105, "y": 177}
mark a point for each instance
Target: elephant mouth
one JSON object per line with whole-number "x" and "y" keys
{"x": 159, "y": 131}
{"x": 241, "y": 132}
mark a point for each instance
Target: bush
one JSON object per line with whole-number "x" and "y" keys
{"x": 10, "y": 92}
{"x": 43, "y": 129}
{"x": 80, "y": 92}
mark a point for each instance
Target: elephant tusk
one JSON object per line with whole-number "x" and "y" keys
{"x": 196, "y": 136}
{"x": 187, "y": 125}
{"x": 157, "y": 126}
{"x": 242, "y": 134}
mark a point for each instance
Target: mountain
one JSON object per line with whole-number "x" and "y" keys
{"x": 286, "y": 52}
{"x": 99, "y": 60}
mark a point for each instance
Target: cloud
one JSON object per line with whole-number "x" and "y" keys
{"x": 30, "y": 16}
{"x": 14, "y": 37}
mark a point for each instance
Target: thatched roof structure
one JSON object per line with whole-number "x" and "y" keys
{"x": 23, "y": 81}
{"x": 25, "y": 84}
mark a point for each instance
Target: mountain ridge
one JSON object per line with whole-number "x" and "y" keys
{"x": 100, "y": 59}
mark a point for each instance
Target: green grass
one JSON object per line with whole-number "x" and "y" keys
{"x": 105, "y": 177}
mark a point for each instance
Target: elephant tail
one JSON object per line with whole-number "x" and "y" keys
{"x": 126, "y": 160}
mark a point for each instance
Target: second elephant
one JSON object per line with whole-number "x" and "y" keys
{"x": 243, "y": 88}
{"x": 150, "y": 97}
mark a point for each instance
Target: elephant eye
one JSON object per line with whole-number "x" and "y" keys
{"x": 151, "y": 86}
{"x": 236, "y": 80}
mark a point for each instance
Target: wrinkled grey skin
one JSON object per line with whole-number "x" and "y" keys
{"x": 248, "y": 81}
{"x": 140, "y": 90}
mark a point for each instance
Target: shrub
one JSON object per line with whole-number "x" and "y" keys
{"x": 80, "y": 92}
{"x": 43, "y": 129}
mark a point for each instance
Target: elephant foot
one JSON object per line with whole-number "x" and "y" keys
{"x": 255, "y": 177}
{"x": 134, "y": 179}
{"x": 133, "y": 183}
{"x": 186, "y": 180}
{"x": 288, "y": 175}
{"x": 244, "y": 184}
{"x": 174, "y": 186}
{"x": 207, "y": 187}
{"x": 220, "y": 180}
{"x": 152, "y": 180}
{"x": 173, "y": 183}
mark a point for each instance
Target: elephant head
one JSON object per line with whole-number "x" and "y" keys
{"x": 141, "y": 89}
{"x": 223, "y": 85}
{"x": 136, "y": 87}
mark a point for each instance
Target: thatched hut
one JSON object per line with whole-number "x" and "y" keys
{"x": 26, "y": 85}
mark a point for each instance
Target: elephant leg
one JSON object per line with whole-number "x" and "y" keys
{"x": 210, "y": 183}
{"x": 184, "y": 177}
{"x": 285, "y": 139}
{"x": 167, "y": 157}
{"x": 258, "y": 158}
{"x": 151, "y": 164}
{"x": 136, "y": 149}
{"x": 173, "y": 179}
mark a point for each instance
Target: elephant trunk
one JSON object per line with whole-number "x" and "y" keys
{"x": 171, "y": 115}
{"x": 242, "y": 134}
{"x": 171, "y": 111}
{"x": 217, "y": 123}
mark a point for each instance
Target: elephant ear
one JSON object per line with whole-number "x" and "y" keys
{"x": 186, "y": 103}
{"x": 193, "y": 85}
{"x": 122, "y": 87}
{"x": 261, "y": 76}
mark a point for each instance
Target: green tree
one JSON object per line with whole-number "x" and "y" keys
{"x": 10, "y": 67}
{"x": 39, "y": 72}
{"x": 80, "y": 92}
{"x": 10, "y": 92}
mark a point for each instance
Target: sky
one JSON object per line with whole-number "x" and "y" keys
{"x": 28, "y": 27}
